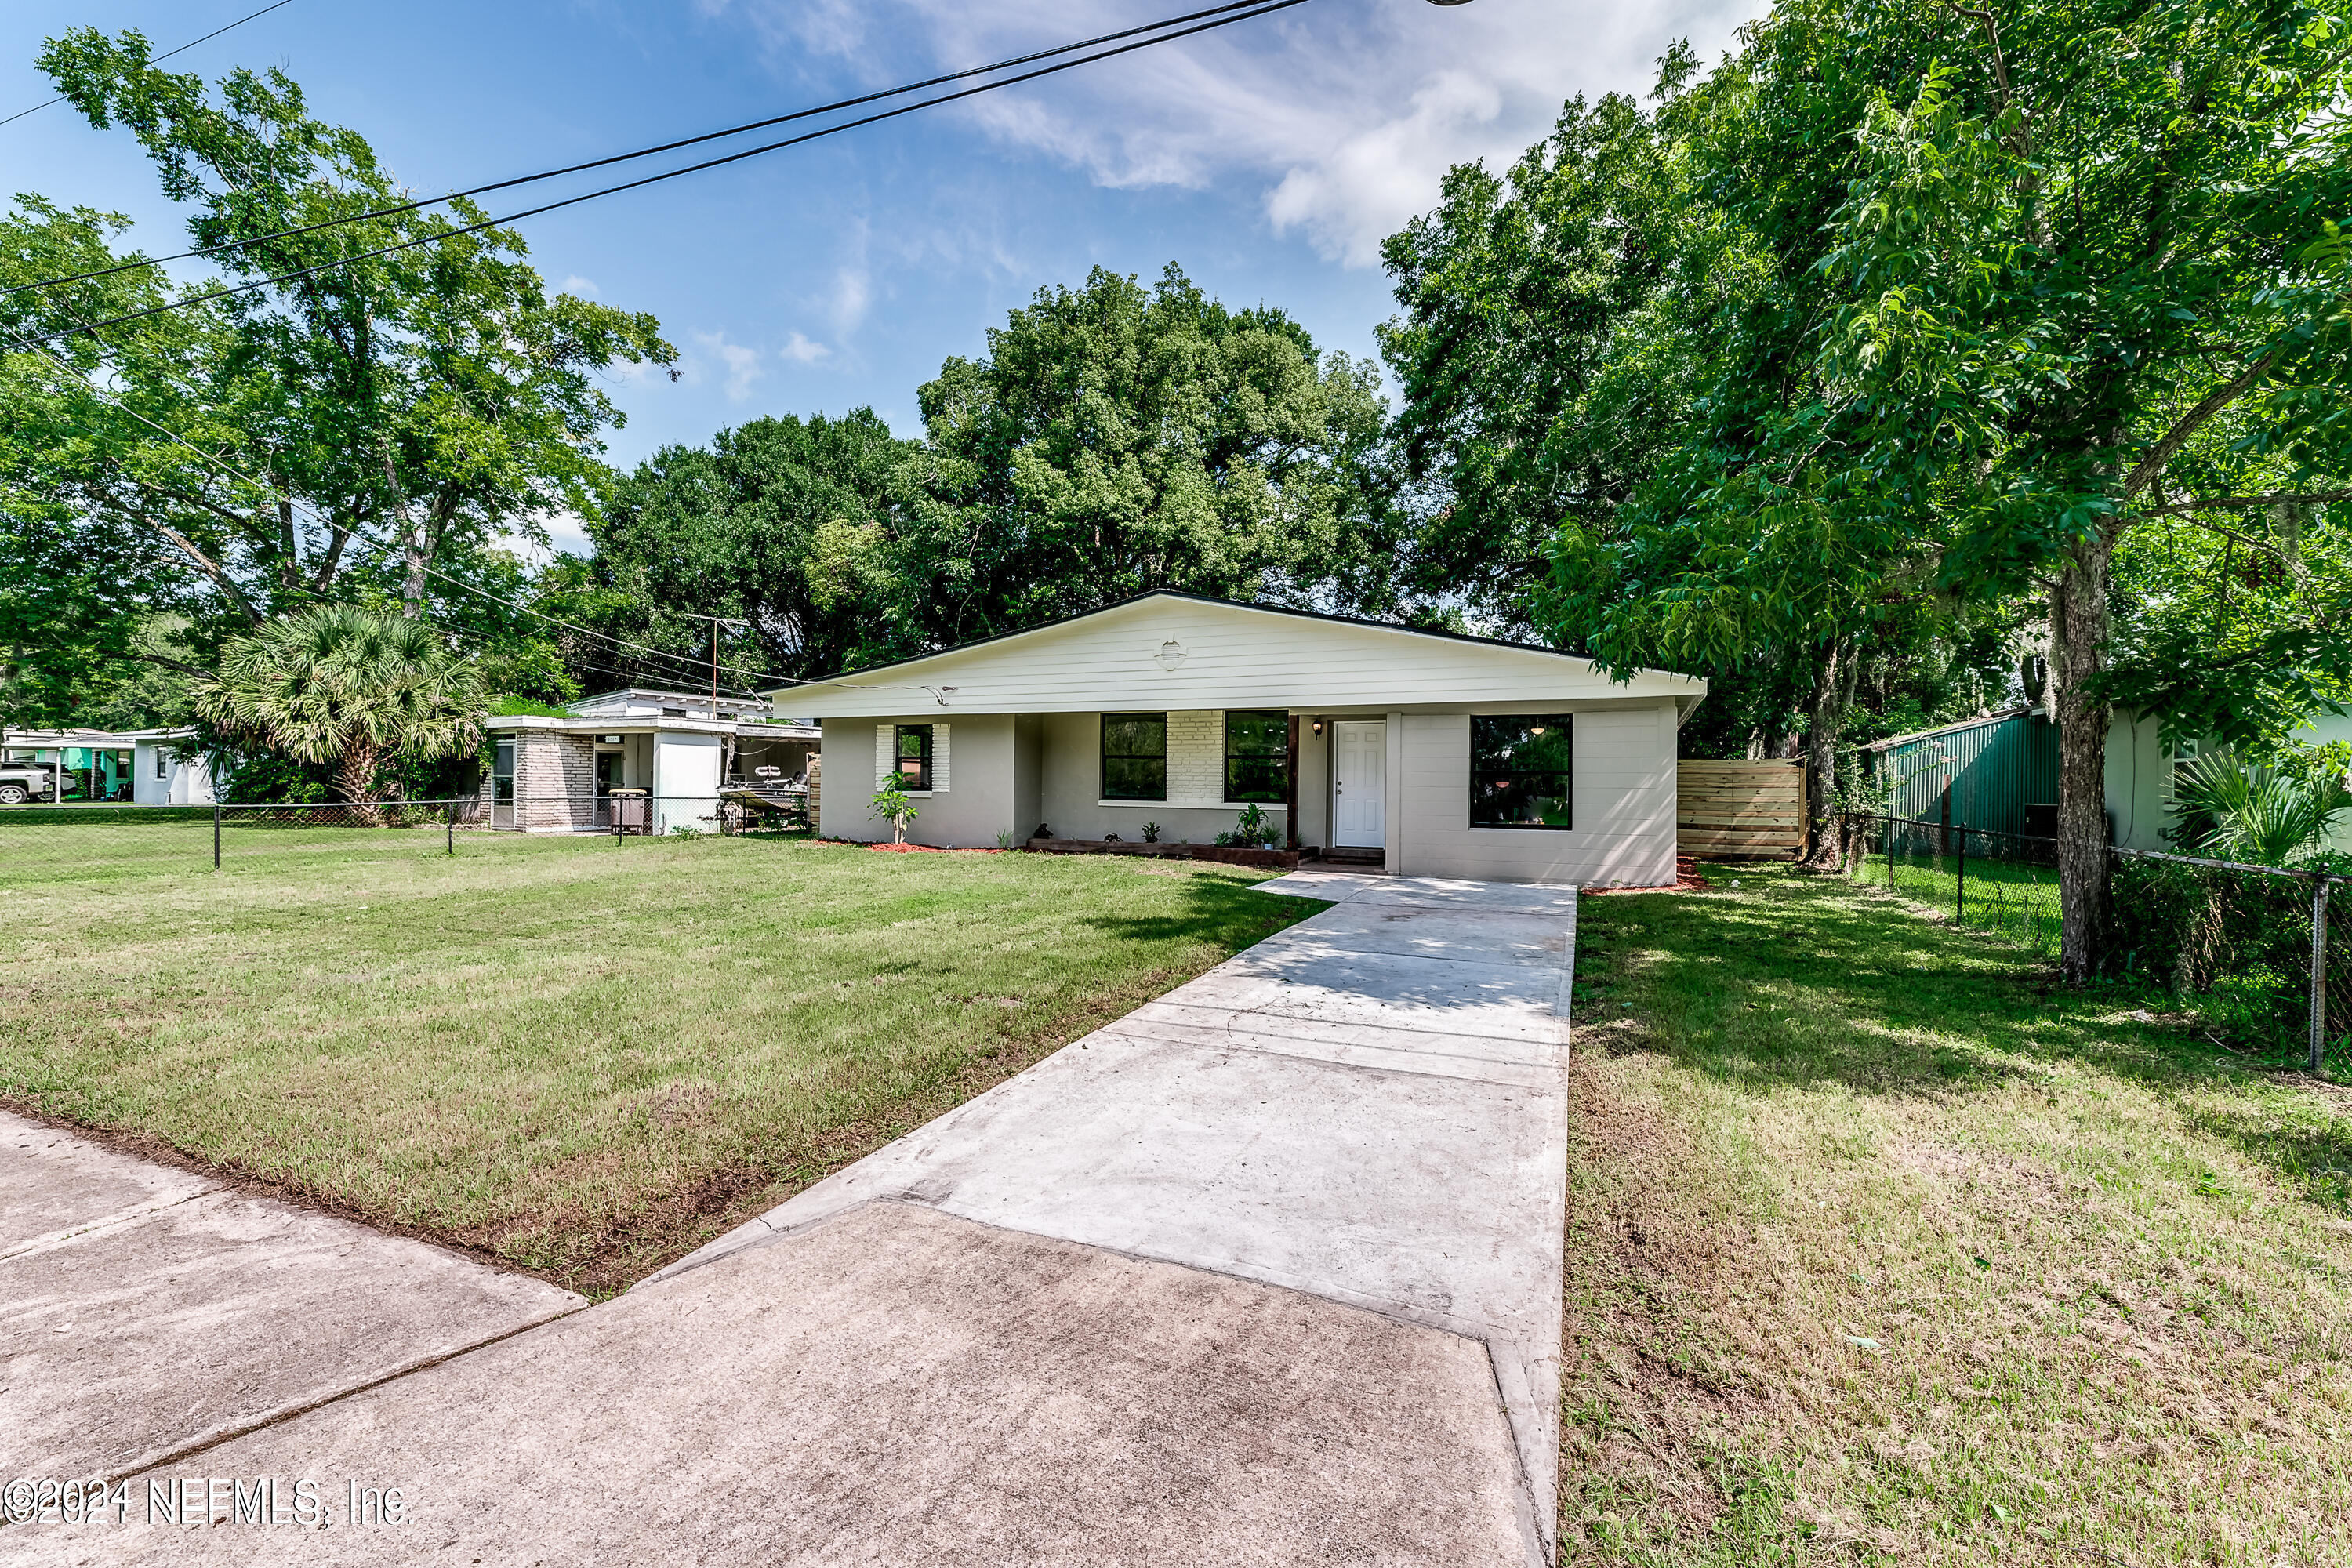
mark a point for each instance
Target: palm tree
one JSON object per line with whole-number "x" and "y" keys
{"x": 2262, "y": 814}
{"x": 342, "y": 685}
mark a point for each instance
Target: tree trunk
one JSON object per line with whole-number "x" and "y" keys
{"x": 355, "y": 776}
{"x": 1831, "y": 686}
{"x": 412, "y": 546}
{"x": 2078, "y": 634}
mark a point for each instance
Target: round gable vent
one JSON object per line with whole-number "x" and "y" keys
{"x": 1172, "y": 654}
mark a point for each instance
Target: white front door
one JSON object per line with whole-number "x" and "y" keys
{"x": 1359, "y": 767}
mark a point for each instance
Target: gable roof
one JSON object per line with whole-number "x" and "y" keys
{"x": 1175, "y": 651}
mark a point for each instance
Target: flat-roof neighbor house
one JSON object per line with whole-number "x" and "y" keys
{"x": 1445, "y": 755}
{"x": 553, "y": 774}
{"x": 138, "y": 767}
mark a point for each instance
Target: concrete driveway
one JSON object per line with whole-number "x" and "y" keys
{"x": 1268, "y": 1271}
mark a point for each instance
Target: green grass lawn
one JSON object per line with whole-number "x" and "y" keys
{"x": 1886, "y": 1248}
{"x": 580, "y": 1057}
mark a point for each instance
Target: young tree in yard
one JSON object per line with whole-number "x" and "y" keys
{"x": 894, "y": 805}
{"x": 350, "y": 431}
{"x": 1118, "y": 439}
{"x": 344, "y": 685}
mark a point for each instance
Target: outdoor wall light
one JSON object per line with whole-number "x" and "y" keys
{"x": 1318, "y": 726}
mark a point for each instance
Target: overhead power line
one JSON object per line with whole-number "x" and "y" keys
{"x": 640, "y": 153}
{"x": 167, "y": 55}
{"x": 1225, "y": 21}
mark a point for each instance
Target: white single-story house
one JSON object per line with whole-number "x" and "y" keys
{"x": 1434, "y": 755}
{"x": 552, "y": 774}
{"x": 2142, "y": 769}
{"x": 135, "y": 767}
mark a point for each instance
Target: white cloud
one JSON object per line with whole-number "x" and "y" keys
{"x": 576, "y": 284}
{"x": 743, "y": 364}
{"x": 1343, "y": 118}
{"x": 853, "y": 295}
{"x": 800, "y": 351}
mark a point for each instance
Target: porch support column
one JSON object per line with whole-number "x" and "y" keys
{"x": 1392, "y": 807}
{"x": 1290, "y": 792}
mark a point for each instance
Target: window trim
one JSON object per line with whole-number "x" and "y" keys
{"x": 1225, "y": 727}
{"x": 1103, "y": 758}
{"x": 1567, "y": 721}
{"x": 899, "y": 759}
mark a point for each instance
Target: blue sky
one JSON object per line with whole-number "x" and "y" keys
{"x": 1268, "y": 159}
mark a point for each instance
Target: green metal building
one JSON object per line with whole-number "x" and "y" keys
{"x": 1996, "y": 767}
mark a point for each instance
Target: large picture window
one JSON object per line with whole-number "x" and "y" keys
{"x": 1135, "y": 756}
{"x": 1258, "y": 757}
{"x": 1520, "y": 771}
{"x": 914, "y": 757}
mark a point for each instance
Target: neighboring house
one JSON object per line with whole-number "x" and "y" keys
{"x": 135, "y": 767}
{"x": 1432, "y": 755}
{"x": 556, "y": 775}
{"x": 2003, "y": 773}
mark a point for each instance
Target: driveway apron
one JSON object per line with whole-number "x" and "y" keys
{"x": 1267, "y": 1271}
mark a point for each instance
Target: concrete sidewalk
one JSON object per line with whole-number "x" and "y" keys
{"x": 1268, "y": 1271}
{"x": 146, "y": 1310}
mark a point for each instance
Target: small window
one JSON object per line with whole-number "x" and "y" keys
{"x": 1519, "y": 770}
{"x": 502, "y": 769}
{"x": 914, "y": 757}
{"x": 163, "y": 763}
{"x": 1135, "y": 756}
{"x": 1258, "y": 757}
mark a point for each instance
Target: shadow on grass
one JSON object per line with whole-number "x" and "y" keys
{"x": 1791, "y": 982}
{"x": 1224, "y": 912}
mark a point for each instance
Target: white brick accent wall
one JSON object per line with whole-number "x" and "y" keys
{"x": 555, "y": 781}
{"x": 939, "y": 759}
{"x": 1196, "y": 757}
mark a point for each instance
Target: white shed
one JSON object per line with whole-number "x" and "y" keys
{"x": 1429, "y": 754}
{"x": 556, "y": 773}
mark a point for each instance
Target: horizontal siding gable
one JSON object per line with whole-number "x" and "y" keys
{"x": 1231, "y": 656}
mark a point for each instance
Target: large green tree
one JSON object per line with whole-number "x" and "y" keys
{"x": 1968, "y": 296}
{"x": 783, "y": 524}
{"x": 2088, "y": 274}
{"x": 1117, "y": 439}
{"x": 371, "y": 427}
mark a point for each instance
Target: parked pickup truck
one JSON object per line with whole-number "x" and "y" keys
{"x": 21, "y": 782}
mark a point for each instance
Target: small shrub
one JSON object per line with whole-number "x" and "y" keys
{"x": 1254, "y": 829}
{"x": 1151, "y": 833}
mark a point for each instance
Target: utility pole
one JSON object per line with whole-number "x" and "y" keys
{"x": 716, "y": 622}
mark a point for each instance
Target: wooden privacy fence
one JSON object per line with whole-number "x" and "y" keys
{"x": 1739, "y": 808}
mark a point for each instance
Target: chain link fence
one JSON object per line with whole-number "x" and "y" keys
{"x": 51, "y": 842}
{"x": 2247, "y": 948}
